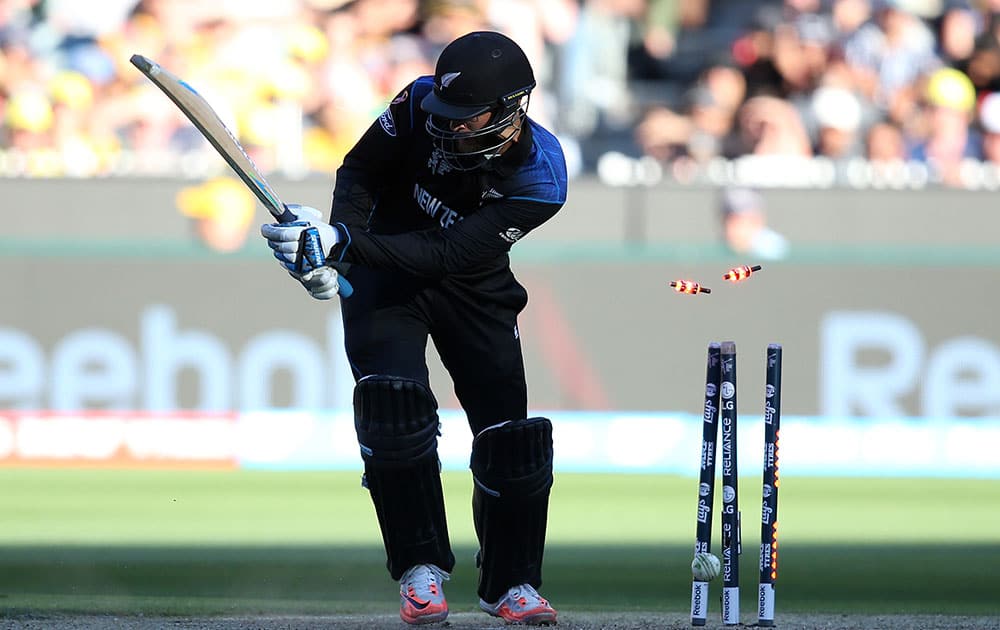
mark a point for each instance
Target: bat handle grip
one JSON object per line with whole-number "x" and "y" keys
{"x": 345, "y": 290}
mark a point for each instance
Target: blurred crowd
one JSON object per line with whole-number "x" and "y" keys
{"x": 889, "y": 82}
{"x": 296, "y": 80}
{"x": 688, "y": 83}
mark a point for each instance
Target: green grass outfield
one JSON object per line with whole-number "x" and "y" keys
{"x": 182, "y": 542}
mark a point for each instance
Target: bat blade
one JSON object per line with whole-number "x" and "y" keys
{"x": 204, "y": 118}
{"x": 207, "y": 121}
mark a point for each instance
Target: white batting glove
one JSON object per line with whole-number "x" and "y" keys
{"x": 283, "y": 238}
{"x": 321, "y": 283}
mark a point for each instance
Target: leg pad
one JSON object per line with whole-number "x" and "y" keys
{"x": 512, "y": 471}
{"x": 397, "y": 425}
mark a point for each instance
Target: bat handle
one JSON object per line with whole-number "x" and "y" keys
{"x": 345, "y": 290}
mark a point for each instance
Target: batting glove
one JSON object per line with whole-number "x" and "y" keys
{"x": 322, "y": 283}
{"x": 285, "y": 238}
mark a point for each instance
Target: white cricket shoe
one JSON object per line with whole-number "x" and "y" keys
{"x": 522, "y": 604}
{"x": 421, "y": 597}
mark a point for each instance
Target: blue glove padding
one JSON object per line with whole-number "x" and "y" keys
{"x": 284, "y": 238}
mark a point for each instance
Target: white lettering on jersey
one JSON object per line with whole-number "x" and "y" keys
{"x": 434, "y": 208}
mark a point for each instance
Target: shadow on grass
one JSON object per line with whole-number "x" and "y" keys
{"x": 959, "y": 579}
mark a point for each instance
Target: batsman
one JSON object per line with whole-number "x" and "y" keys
{"x": 426, "y": 208}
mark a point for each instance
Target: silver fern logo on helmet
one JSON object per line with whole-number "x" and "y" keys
{"x": 448, "y": 77}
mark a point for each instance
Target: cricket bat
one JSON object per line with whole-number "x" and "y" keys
{"x": 202, "y": 116}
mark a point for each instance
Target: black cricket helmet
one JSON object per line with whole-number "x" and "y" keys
{"x": 480, "y": 72}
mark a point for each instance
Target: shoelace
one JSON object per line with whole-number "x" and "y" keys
{"x": 425, "y": 577}
{"x": 525, "y": 592}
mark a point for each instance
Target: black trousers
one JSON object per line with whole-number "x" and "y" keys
{"x": 390, "y": 317}
{"x": 387, "y": 323}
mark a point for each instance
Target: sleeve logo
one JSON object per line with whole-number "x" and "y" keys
{"x": 511, "y": 235}
{"x": 388, "y": 124}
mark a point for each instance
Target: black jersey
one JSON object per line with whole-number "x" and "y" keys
{"x": 398, "y": 206}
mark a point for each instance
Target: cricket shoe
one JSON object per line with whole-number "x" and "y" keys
{"x": 421, "y": 598}
{"x": 522, "y": 604}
